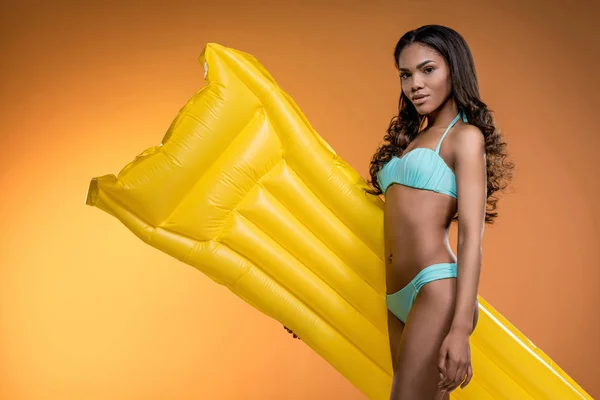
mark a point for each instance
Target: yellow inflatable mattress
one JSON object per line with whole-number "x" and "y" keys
{"x": 243, "y": 189}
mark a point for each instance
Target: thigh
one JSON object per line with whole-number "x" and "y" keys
{"x": 428, "y": 322}
{"x": 395, "y": 328}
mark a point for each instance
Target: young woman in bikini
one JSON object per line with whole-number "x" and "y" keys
{"x": 442, "y": 161}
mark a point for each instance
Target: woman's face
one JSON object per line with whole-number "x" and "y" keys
{"x": 425, "y": 77}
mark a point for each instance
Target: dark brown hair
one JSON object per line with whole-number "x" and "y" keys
{"x": 404, "y": 127}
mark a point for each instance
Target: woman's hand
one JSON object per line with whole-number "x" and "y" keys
{"x": 290, "y": 331}
{"x": 455, "y": 361}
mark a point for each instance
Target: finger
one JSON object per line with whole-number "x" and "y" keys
{"x": 459, "y": 377}
{"x": 466, "y": 372}
{"x": 447, "y": 386}
{"x": 442, "y": 361}
{"x": 443, "y": 380}
{"x": 450, "y": 385}
{"x": 442, "y": 365}
{"x": 469, "y": 376}
{"x": 453, "y": 377}
{"x": 450, "y": 372}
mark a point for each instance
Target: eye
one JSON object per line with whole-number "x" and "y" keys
{"x": 428, "y": 70}
{"x": 403, "y": 75}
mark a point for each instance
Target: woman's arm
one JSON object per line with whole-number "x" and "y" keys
{"x": 471, "y": 178}
{"x": 454, "y": 361}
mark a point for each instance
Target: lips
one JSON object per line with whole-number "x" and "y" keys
{"x": 420, "y": 99}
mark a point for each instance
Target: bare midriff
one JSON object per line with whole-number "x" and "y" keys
{"x": 416, "y": 224}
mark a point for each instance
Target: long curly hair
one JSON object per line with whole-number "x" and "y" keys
{"x": 404, "y": 127}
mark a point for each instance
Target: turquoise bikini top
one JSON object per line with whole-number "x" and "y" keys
{"x": 421, "y": 168}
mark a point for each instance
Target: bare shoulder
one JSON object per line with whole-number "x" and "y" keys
{"x": 468, "y": 140}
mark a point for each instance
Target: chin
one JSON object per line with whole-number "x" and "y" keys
{"x": 427, "y": 108}
{"x": 424, "y": 109}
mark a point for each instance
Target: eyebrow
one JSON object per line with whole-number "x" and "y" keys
{"x": 418, "y": 66}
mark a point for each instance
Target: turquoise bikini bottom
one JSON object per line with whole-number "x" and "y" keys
{"x": 400, "y": 303}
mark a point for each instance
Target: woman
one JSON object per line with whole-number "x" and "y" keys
{"x": 442, "y": 157}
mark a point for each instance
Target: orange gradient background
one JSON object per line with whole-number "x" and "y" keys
{"x": 88, "y": 311}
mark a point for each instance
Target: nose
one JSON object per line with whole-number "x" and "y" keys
{"x": 416, "y": 83}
